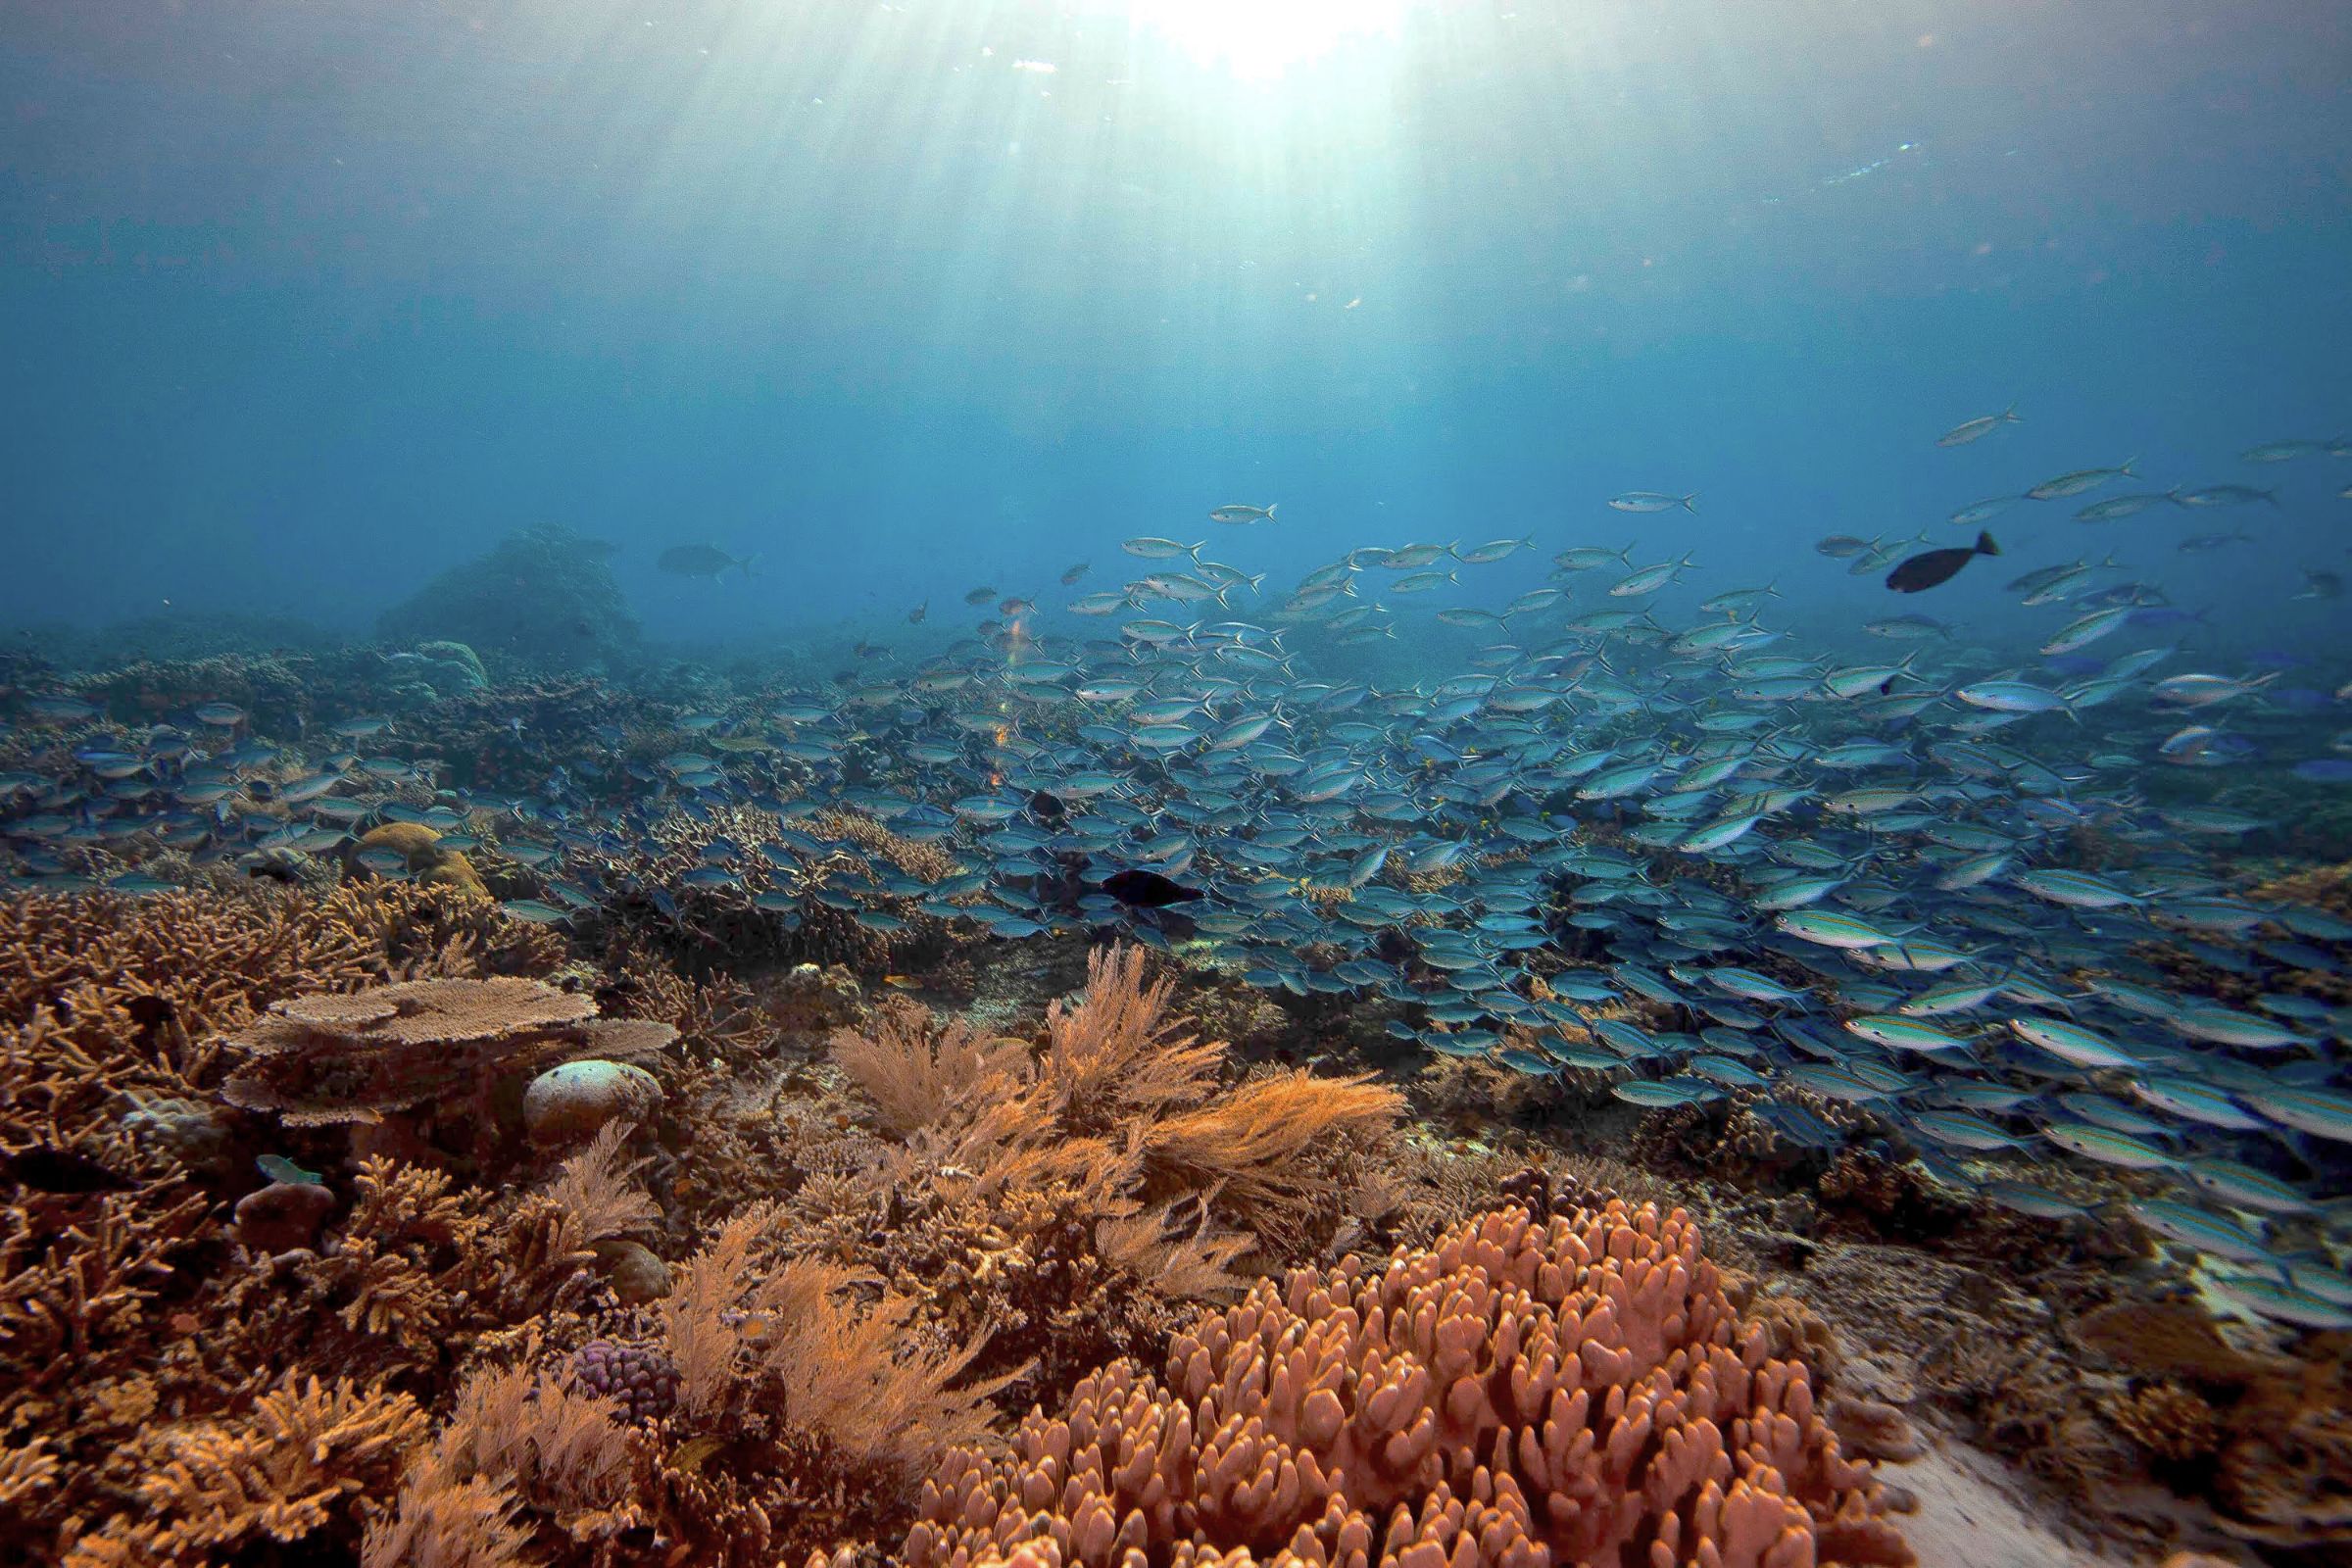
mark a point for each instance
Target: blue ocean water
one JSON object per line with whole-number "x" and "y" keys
{"x": 302, "y": 304}
{"x": 1408, "y": 512}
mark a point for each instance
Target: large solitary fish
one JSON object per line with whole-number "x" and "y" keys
{"x": 1933, "y": 567}
{"x": 702, "y": 560}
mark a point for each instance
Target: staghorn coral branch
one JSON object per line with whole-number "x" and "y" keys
{"x": 276, "y": 1473}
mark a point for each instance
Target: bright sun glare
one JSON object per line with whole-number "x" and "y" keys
{"x": 1260, "y": 39}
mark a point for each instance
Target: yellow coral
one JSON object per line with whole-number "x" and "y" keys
{"x": 428, "y": 861}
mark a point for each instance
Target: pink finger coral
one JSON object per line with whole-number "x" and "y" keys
{"x": 1522, "y": 1395}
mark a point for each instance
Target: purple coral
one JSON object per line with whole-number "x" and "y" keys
{"x": 641, "y": 1378}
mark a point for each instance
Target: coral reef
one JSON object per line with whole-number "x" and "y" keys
{"x": 1571, "y": 1392}
{"x": 273, "y": 690}
{"x": 122, "y": 1312}
{"x": 2322, "y": 887}
{"x": 2267, "y": 1437}
{"x": 816, "y": 1245}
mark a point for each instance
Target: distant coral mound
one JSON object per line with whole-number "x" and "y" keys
{"x": 543, "y": 598}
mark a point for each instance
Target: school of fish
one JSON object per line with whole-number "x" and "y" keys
{"x": 1741, "y": 867}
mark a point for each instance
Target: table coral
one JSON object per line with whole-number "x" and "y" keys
{"x": 320, "y": 1059}
{"x": 1579, "y": 1392}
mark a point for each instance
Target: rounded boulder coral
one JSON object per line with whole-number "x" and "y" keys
{"x": 428, "y": 860}
{"x": 1521, "y": 1393}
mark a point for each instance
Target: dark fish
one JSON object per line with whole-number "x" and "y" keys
{"x": 702, "y": 560}
{"x": 1932, "y": 567}
{"x": 61, "y": 1172}
{"x": 1147, "y": 890}
{"x": 915, "y": 615}
{"x": 1047, "y": 807}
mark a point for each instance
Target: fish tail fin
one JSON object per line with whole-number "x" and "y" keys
{"x": 2272, "y": 496}
{"x": 1270, "y": 506}
{"x": 2009, "y": 416}
{"x": 1257, "y": 582}
{"x": 1690, "y": 502}
{"x": 1985, "y": 544}
{"x": 2125, "y": 467}
{"x": 748, "y": 563}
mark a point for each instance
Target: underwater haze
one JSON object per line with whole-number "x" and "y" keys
{"x": 303, "y": 301}
{"x": 1175, "y": 784}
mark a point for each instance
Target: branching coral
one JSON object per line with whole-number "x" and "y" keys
{"x": 1577, "y": 1391}
{"x": 280, "y": 1471}
{"x": 915, "y": 1081}
{"x": 419, "y": 1271}
{"x": 421, "y": 931}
